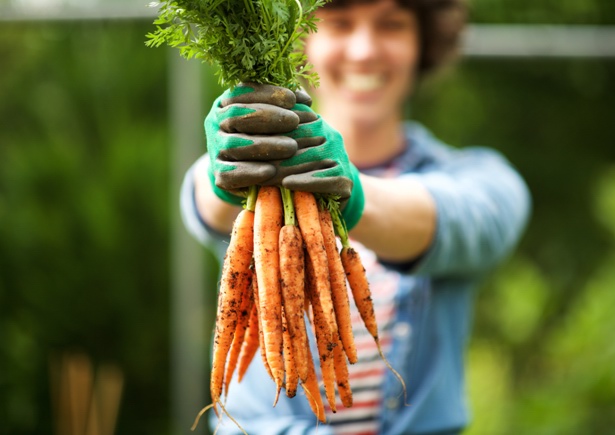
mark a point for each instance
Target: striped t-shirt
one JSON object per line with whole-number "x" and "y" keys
{"x": 366, "y": 376}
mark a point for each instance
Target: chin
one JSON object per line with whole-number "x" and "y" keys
{"x": 364, "y": 119}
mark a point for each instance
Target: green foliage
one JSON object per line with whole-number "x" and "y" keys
{"x": 248, "y": 40}
{"x": 586, "y": 12}
{"x": 542, "y": 359}
{"x": 84, "y": 201}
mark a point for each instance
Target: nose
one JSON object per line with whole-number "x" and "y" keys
{"x": 362, "y": 44}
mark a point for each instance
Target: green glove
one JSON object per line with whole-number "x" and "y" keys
{"x": 321, "y": 165}
{"x": 245, "y": 138}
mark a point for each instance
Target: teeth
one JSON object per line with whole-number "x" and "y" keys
{"x": 363, "y": 82}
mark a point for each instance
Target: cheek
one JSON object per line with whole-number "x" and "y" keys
{"x": 405, "y": 58}
{"x": 321, "y": 53}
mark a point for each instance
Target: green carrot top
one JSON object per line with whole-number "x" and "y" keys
{"x": 248, "y": 40}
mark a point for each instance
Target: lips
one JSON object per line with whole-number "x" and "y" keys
{"x": 362, "y": 82}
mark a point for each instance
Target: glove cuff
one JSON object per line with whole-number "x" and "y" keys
{"x": 224, "y": 195}
{"x": 353, "y": 210}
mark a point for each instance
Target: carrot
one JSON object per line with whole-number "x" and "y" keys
{"x": 323, "y": 340}
{"x": 339, "y": 291}
{"x": 261, "y": 337}
{"x": 341, "y": 375}
{"x": 250, "y": 344}
{"x": 292, "y": 276}
{"x": 290, "y": 362}
{"x": 310, "y": 386}
{"x": 245, "y": 309}
{"x": 309, "y": 224}
{"x": 355, "y": 272}
{"x": 359, "y": 285}
{"x": 235, "y": 279}
{"x": 267, "y": 224}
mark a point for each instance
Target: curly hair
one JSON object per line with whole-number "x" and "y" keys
{"x": 441, "y": 23}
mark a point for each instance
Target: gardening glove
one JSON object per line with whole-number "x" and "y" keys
{"x": 246, "y": 133}
{"x": 321, "y": 164}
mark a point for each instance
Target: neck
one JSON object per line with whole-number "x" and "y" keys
{"x": 369, "y": 144}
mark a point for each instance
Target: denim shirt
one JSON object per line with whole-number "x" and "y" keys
{"x": 482, "y": 208}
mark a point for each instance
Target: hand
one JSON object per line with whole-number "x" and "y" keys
{"x": 321, "y": 164}
{"x": 245, "y": 138}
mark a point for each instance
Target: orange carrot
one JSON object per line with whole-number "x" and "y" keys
{"x": 290, "y": 362}
{"x": 309, "y": 224}
{"x": 312, "y": 392}
{"x": 292, "y": 276}
{"x": 355, "y": 272}
{"x": 251, "y": 343}
{"x": 247, "y": 301}
{"x": 235, "y": 279}
{"x": 361, "y": 293}
{"x": 341, "y": 375}
{"x": 261, "y": 336}
{"x": 323, "y": 339}
{"x": 267, "y": 224}
{"x": 339, "y": 291}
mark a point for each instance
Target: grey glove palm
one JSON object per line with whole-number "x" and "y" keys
{"x": 244, "y": 137}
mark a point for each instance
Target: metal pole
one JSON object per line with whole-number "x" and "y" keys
{"x": 188, "y": 349}
{"x": 539, "y": 41}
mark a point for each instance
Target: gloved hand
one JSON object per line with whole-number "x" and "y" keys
{"x": 245, "y": 137}
{"x": 321, "y": 164}
{"x": 268, "y": 135}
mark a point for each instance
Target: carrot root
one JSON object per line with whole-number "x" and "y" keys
{"x": 267, "y": 225}
{"x": 236, "y": 274}
{"x": 339, "y": 291}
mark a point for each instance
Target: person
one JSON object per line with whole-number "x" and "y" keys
{"x": 429, "y": 220}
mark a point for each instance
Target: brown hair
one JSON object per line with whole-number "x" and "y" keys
{"x": 441, "y": 23}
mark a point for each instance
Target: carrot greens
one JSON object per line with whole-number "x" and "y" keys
{"x": 248, "y": 40}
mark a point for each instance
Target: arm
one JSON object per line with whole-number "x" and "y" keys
{"x": 462, "y": 216}
{"x": 396, "y": 210}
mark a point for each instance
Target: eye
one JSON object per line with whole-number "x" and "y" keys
{"x": 394, "y": 24}
{"x": 338, "y": 24}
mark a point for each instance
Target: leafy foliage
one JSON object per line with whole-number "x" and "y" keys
{"x": 248, "y": 40}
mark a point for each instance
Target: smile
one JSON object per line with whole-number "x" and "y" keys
{"x": 362, "y": 82}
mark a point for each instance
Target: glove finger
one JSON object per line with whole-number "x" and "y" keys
{"x": 242, "y": 147}
{"x": 249, "y": 93}
{"x": 303, "y": 97}
{"x": 238, "y": 175}
{"x": 283, "y": 169}
{"x": 305, "y": 114}
{"x": 314, "y": 182}
{"x": 309, "y": 142}
{"x": 257, "y": 119}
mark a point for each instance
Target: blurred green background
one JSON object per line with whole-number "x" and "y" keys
{"x": 88, "y": 205}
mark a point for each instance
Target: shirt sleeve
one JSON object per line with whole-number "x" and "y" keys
{"x": 191, "y": 217}
{"x": 482, "y": 206}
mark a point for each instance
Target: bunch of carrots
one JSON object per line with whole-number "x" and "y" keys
{"x": 281, "y": 267}
{"x": 282, "y": 261}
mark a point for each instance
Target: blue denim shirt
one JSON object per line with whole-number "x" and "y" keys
{"x": 482, "y": 209}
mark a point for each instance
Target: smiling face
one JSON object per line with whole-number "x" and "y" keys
{"x": 366, "y": 55}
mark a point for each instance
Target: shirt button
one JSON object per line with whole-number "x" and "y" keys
{"x": 392, "y": 403}
{"x": 402, "y": 330}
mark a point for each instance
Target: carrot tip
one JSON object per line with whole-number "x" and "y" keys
{"x": 277, "y": 395}
{"x": 200, "y": 414}
{"x": 397, "y": 375}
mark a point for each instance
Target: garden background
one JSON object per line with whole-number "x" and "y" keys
{"x": 88, "y": 215}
